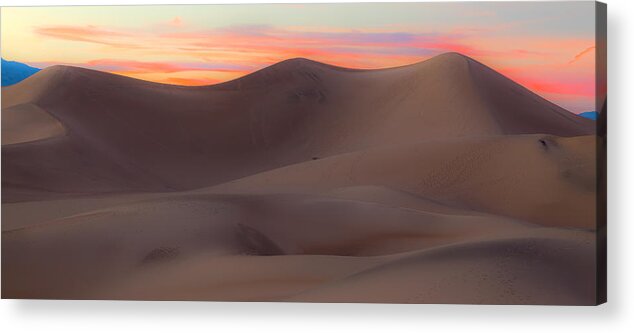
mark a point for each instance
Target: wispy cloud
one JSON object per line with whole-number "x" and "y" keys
{"x": 186, "y": 81}
{"x": 133, "y": 66}
{"x": 581, "y": 54}
{"x": 89, "y": 34}
{"x": 231, "y": 51}
{"x": 263, "y": 44}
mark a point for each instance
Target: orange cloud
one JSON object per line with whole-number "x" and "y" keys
{"x": 183, "y": 81}
{"x": 541, "y": 63}
{"x": 581, "y": 54}
{"x": 90, "y": 34}
{"x": 132, "y": 66}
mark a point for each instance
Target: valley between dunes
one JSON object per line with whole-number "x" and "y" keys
{"x": 437, "y": 182}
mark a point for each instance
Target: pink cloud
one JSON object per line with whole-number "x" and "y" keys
{"x": 89, "y": 33}
{"x": 581, "y": 54}
{"x": 541, "y": 63}
{"x": 184, "y": 81}
{"x": 132, "y": 65}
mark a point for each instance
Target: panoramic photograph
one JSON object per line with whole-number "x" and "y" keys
{"x": 441, "y": 152}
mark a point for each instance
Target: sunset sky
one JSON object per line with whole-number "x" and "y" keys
{"x": 547, "y": 47}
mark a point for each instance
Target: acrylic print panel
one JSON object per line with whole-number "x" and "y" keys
{"x": 372, "y": 152}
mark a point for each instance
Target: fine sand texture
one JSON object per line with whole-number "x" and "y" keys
{"x": 437, "y": 182}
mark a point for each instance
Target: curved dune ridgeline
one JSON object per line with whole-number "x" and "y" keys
{"x": 441, "y": 181}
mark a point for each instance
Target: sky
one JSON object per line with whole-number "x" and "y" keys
{"x": 549, "y": 47}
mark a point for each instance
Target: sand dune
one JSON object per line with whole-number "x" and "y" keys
{"x": 537, "y": 178}
{"x": 186, "y": 236}
{"x": 27, "y": 122}
{"x": 491, "y": 272}
{"x": 524, "y": 270}
{"x": 162, "y": 138}
{"x": 442, "y": 181}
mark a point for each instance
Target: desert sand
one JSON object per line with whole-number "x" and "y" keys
{"x": 437, "y": 182}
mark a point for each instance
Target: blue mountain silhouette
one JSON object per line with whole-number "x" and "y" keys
{"x": 14, "y": 72}
{"x": 590, "y": 115}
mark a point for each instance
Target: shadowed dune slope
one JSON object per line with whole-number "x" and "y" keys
{"x": 123, "y": 134}
{"x": 293, "y": 246}
{"x": 27, "y": 122}
{"x": 536, "y": 178}
{"x": 437, "y": 182}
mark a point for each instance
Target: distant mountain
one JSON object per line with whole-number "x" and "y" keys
{"x": 14, "y": 72}
{"x": 590, "y": 115}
